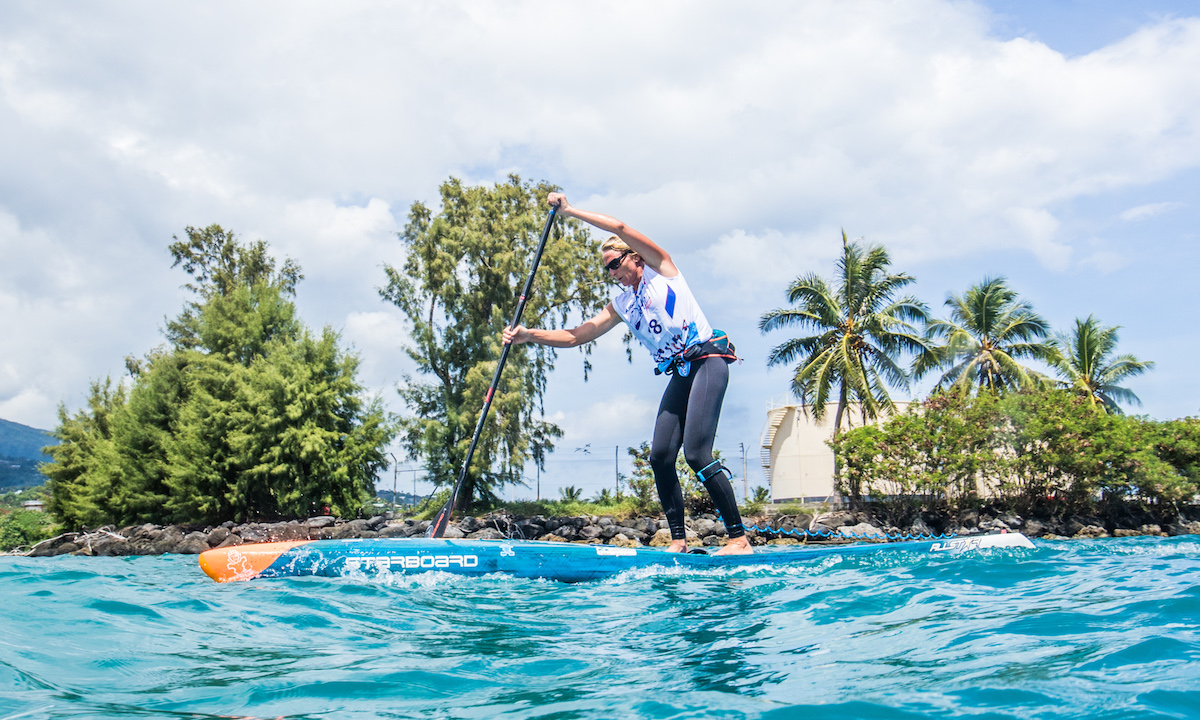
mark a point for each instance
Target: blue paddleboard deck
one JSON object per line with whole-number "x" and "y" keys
{"x": 565, "y": 562}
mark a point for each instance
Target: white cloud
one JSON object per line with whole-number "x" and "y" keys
{"x": 26, "y": 403}
{"x": 337, "y": 239}
{"x": 741, "y": 256}
{"x": 1142, "y": 212}
{"x": 608, "y": 421}
{"x": 62, "y": 313}
{"x": 1104, "y": 262}
{"x": 10, "y": 385}
{"x": 377, "y": 331}
{"x": 1039, "y": 227}
{"x": 742, "y": 136}
{"x": 378, "y": 338}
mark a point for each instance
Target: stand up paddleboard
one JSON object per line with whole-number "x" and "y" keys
{"x": 565, "y": 562}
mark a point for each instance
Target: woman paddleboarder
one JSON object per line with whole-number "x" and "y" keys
{"x": 662, "y": 313}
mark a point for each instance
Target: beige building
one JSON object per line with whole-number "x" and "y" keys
{"x": 796, "y": 460}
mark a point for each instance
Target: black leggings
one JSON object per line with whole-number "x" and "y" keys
{"x": 687, "y": 417}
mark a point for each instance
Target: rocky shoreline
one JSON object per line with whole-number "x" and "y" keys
{"x": 703, "y": 531}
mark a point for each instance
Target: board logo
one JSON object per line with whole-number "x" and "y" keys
{"x": 960, "y": 545}
{"x": 411, "y": 562}
{"x": 239, "y": 565}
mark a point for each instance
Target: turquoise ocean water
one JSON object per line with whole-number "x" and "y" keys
{"x": 1072, "y": 629}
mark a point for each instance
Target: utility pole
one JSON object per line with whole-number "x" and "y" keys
{"x": 395, "y": 471}
{"x": 616, "y": 472}
{"x": 745, "y": 484}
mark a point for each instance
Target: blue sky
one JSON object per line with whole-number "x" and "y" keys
{"x": 1054, "y": 143}
{"x": 1078, "y": 27}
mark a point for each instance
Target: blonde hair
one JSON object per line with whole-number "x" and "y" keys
{"x": 616, "y": 243}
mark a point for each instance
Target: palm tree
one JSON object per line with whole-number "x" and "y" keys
{"x": 861, "y": 331}
{"x": 1085, "y": 362}
{"x": 989, "y": 330}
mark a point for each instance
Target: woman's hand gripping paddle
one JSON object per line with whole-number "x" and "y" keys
{"x": 438, "y": 527}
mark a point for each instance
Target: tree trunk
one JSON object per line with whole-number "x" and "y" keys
{"x": 837, "y": 430}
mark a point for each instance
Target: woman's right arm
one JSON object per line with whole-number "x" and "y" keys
{"x": 647, "y": 249}
{"x": 585, "y": 333}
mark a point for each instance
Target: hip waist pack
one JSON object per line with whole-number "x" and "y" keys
{"x": 716, "y": 346}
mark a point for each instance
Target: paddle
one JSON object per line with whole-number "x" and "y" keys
{"x": 438, "y": 527}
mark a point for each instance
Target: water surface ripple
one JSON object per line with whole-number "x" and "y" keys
{"x": 1072, "y": 629}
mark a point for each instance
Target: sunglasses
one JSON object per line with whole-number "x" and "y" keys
{"x": 616, "y": 262}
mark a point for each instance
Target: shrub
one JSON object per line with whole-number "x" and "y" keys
{"x": 22, "y": 528}
{"x": 1040, "y": 452}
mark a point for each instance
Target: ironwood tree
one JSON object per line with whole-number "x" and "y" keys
{"x": 457, "y": 288}
{"x": 244, "y": 414}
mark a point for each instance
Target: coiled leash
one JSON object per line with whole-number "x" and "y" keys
{"x": 768, "y": 530}
{"x": 720, "y": 467}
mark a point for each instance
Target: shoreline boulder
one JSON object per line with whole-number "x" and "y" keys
{"x": 834, "y": 527}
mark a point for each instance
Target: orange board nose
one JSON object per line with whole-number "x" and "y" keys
{"x": 243, "y": 562}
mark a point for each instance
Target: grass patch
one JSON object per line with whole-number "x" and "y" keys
{"x": 621, "y": 509}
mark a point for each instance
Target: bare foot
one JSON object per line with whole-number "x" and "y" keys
{"x": 736, "y": 546}
{"x": 677, "y": 546}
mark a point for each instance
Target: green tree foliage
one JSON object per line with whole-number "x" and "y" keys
{"x": 1041, "y": 451}
{"x": 1085, "y": 362}
{"x": 241, "y": 300}
{"x": 696, "y": 499}
{"x": 1067, "y": 451}
{"x": 15, "y": 499}
{"x": 641, "y": 481}
{"x": 1177, "y": 442}
{"x": 457, "y": 288}
{"x": 86, "y": 467}
{"x": 246, "y": 414}
{"x": 753, "y": 505}
{"x": 990, "y": 329}
{"x": 22, "y": 528}
{"x": 906, "y": 460}
{"x": 862, "y": 328}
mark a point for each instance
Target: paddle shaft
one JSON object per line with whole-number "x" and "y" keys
{"x": 438, "y": 527}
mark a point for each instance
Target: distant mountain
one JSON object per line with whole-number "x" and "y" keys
{"x": 402, "y": 498}
{"x": 20, "y": 452}
{"x": 22, "y": 441}
{"x": 17, "y": 473}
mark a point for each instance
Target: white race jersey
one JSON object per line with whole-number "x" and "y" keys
{"x": 663, "y": 314}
